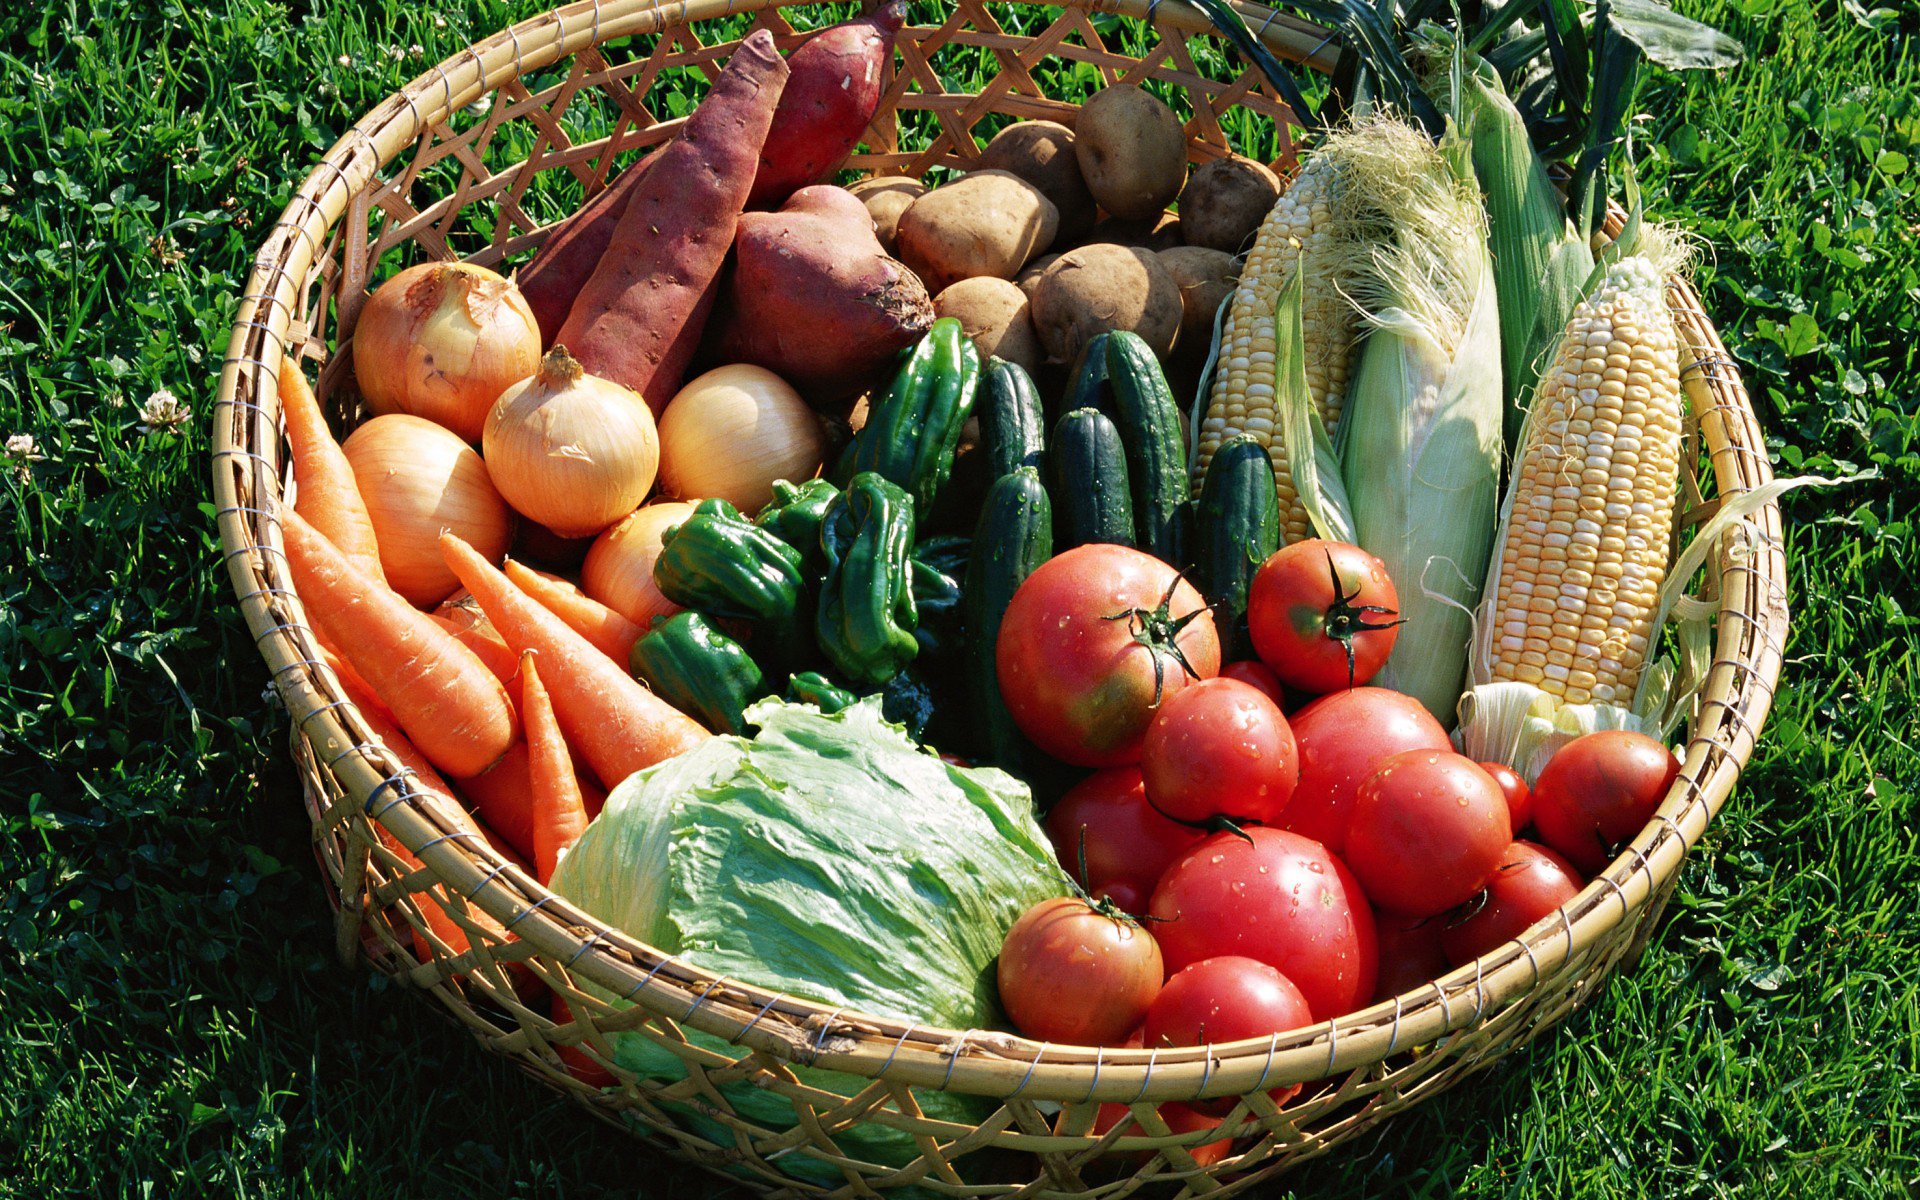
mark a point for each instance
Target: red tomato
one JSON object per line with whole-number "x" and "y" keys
{"x": 1428, "y": 828}
{"x": 1323, "y": 615}
{"x": 1092, "y": 643}
{"x": 1126, "y": 841}
{"x": 1219, "y": 748}
{"x": 1519, "y": 795}
{"x": 1343, "y": 738}
{"x": 1273, "y": 896}
{"x": 1410, "y": 952}
{"x": 1179, "y": 1119}
{"x": 1598, "y": 791}
{"x": 1069, "y": 973}
{"x": 1254, "y": 673}
{"x": 1226, "y": 999}
{"x": 1124, "y": 895}
{"x": 1530, "y": 882}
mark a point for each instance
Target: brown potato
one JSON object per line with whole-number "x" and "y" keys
{"x": 1224, "y": 202}
{"x": 994, "y": 314}
{"x": 984, "y": 223}
{"x": 1030, "y": 274}
{"x": 1158, "y": 232}
{"x": 1132, "y": 151}
{"x": 886, "y": 197}
{"x": 1204, "y": 278}
{"x": 1102, "y": 287}
{"x": 1041, "y": 152}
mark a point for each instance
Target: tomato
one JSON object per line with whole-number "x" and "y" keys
{"x": 1225, "y": 999}
{"x": 1092, "y": 643}
{"x": 1123, "y": 894}
{"x": 1070, "y": 973}
{"x": 1519, "y": 795}
{"x": 1254, "y": 673}
{"x": 1598, "y": 791}
{"x": 1343, "y": 738}
{"x": 1323, "y": 615}
{"x": 1410, "y": 953}
{"x": 1126, "y": 841}
{"x": 1219, "y": 748}
{"x": 1428, "y": 828}
{"x": 1530, "y": 882}
{"x": 1277, "y": 897}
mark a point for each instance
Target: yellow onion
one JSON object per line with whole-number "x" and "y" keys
{"x": 618, "y": 571}
{"x": 419, "y": 479}
{"x": 732, "y": 432}
{"x": 442, "y": 341}
{"x": 573, "y": 451}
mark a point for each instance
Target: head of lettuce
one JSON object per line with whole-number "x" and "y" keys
{"x": 827, "y": 857}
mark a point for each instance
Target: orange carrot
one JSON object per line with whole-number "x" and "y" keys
{"x": 439, "y": 692}
{"x": 592, "y": 620}
{"x": 503, "y": 796}
{"x": 482, "y": 640}
{"x": 559, "y": 812}
{"x": 615, "y": 723}
{"x": 327, "y": 495}
{"x": 350, "y": 679}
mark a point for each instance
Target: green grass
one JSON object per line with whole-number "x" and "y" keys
{"x": 172, "y": 1021}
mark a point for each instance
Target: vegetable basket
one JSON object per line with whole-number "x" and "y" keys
{"x": 442, "y": 170}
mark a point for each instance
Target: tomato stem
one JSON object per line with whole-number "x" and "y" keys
{"x": 1159, "y": 631}
{"x": 1346, "y": 620}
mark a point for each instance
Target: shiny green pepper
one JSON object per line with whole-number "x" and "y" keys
{"x": 866, "y": 617}
{"x": 795, "y": 515}
{"x": 720, "y": 563}
{"x": 700, "y": 671}
{"x": 937, "y": 565}
{"x": 811, "y": 687}
{"x": 912, "y": 432}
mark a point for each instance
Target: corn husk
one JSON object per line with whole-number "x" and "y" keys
{"x": 1421, "y": 442}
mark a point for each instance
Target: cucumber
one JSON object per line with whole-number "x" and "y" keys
{"x": 1014, "y": 536}
{"x": 1087, "y": 386}
{"x": 1235, "y": 530}
{"x": 1012, "y": 428}
{"x": 1090, "y": 481}
{"x": 1150, "y": 429}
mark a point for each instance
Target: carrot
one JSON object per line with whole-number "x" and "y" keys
{"x": 502, "y": 795}
{"x": 566, "y": 260}
{"x": 470, "y": 625}
{"x": 586, "y": 1070}
{"x": 326, "y": 494}
{"x": 592, "y": 620}
{"x": 350, "y": 679}
{"x": 638, "y": 319}
{"x": 559, "y": 812}
{"x": 439, "y": 692}
{"x": 616, "y": 724}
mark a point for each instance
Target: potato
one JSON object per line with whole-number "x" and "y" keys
{"x": 1041, "y": 152}
{"x": 886, "y": 197}
{"x": 1030, "y": 274}
{"x": 994, "y": 314}
{"x": 1224, "y": 202}
{"x": 1132, "y": 151}
{"x": 1158, "y": 232}
{"x": 1204, "y": 278}
{"x": 1101, "y": 287}
{"x": 984, "y": 223}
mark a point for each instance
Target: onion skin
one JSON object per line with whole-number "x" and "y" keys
{"x": 569, "y": 450}
{"x": 618, "y": 571}
{"x": 732, "y": 432}
{"x": 442, "y": 341}
{"x": 418, "y": 479}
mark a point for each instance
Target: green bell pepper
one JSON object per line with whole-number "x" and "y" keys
{"x": 721, "y": 564}
{"x": 811, "y": 687}
{"x": 795, "y": 515}
{"x": 700, "y": 671}
{"x": 866, "y": 617}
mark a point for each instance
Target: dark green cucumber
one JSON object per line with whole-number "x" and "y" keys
{"x": 1088, "y": 386}
{"x": 1150, "y": 429}
{"x": 1092, "y": 503}
{"x": 1236, "y": 528}
{"x": 1012, "y": 427}
{"x": 1014, "y": 537}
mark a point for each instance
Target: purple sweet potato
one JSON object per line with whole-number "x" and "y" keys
{"x": 552, "y": 281}
{"x": 639, "y": 317}
{"x": 815, "y": 299}
{"x": 832, "y": 94}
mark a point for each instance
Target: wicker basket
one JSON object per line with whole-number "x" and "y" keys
{"x": 431, "y": 167}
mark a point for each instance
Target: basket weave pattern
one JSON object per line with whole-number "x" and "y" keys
{"x": 371, "y": 201}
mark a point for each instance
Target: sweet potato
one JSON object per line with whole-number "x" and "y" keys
{"x": 550, "y": 283}
{"x": 832, "y": 92}
{"x": 815, "y": 299}
{"x": 638, "y": 319}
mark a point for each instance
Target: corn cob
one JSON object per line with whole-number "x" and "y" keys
{"x": 1294, "y": 236}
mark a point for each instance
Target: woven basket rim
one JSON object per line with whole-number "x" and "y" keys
{"x": 248, "y": 468}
